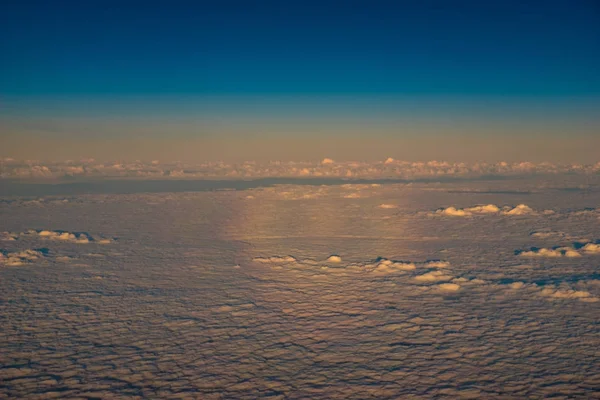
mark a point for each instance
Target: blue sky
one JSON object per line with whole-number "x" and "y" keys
{"x": 303, "y": 47}
{"x": 270, "y": 63}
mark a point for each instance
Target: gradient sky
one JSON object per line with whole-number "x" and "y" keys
{"x": 264, "y": 78}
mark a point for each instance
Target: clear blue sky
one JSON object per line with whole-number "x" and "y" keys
{"x": 291, "y": 47}
{"x": 527, "y": 60}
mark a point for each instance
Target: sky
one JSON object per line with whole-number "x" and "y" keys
{"x": 294, "y": 80}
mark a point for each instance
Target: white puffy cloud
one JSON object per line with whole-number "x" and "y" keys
{"x": 563, "y": 251}
{"x": 437, "y": 264}
{"x": 385, "y": 266}
{"x": 591, "y": 248}
{"x": 433, "y": 276}
{"x": 564, "y": 291}
{"x": 450, "y": 287}
{"x": 545, "y": 252}
{"x": 521, "y": 209}
{"x": 484, "y": 209}
{"x": 561, "y": 293}
{"x": 453, "y": 212}
{"x": 65, "y": 236}
{"x": 492, "y": 209}
{"x": 19, "y": 258}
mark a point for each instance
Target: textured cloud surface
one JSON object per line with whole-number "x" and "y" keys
{"x": 299, "y": 292}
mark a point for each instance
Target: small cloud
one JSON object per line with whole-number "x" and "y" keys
{"x": 484, "y": 209}
{"x": 19, "y": 258}
{"x": 449, "y": 287}
{"x": 454, "y": 212}
{"x": 577, "y": 250}
{"x": 591, "y": 248}
{"x": 552, "y": 253}
{"x": 568, "y": 294}
{"x": 437, "y": 264}
{"x": 490, "y": 209}
{"x": 327, "y": 161}
{"x": 572, "y": 253}
{"x": 433, "y": 276}
{"x": 274, "y": 259}
{"x": 477, "y": 281}
{"x": 521, "y": 209}
{"x": 385, "y": 266}
{"x": 387, "y": 206}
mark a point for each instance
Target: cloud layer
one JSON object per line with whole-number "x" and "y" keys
{"x": 387, "y": 168}
{"x": 245, "y": 295}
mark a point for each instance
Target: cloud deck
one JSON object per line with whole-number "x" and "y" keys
{"x": 301, "y": 292}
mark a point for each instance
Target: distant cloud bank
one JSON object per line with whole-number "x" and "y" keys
{"x": 388, "y": 168}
